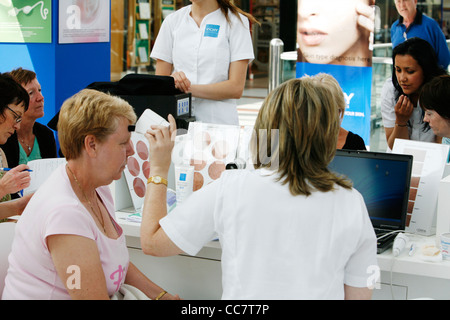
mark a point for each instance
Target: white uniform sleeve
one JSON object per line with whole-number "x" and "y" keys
{"x": 388, "y": 104}
{"x": 361, "y": 269}
{"x": 191, "y": 225}
{"x": 162, "y": 49}
{"x": 241, "y": 45}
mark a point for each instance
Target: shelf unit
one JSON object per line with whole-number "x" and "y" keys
{"x": 162, "y": 8}
{"x": 139, "y": 32}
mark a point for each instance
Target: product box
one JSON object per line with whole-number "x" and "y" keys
{"x": 428, "y": 168}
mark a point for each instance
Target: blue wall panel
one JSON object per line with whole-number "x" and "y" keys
{"x": 62, "y": 69}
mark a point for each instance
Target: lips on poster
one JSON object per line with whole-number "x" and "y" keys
{"x": 336, "y": 37}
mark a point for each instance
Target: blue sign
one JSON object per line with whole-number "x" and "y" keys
{"x": 356, "y": 83}
{"x": 212, "y": 30}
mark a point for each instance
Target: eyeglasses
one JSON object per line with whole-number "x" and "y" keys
{"x": 17, "y": 118}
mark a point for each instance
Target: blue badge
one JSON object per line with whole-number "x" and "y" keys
{"x": 212, "y": 30}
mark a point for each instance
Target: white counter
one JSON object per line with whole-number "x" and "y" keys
{"x": 199, "y": 277}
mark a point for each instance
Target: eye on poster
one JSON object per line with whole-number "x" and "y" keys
{"x": 84, "y": 21}
{"x": 336, "y": 37}
{"x": 26, "y": 21}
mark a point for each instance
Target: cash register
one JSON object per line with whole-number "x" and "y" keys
{"x": 143, "y": 91}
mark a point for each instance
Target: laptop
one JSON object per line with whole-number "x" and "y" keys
{"x": 383, "y": 179}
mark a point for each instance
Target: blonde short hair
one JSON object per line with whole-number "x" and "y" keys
{"x": 90, "y": 112}
{"x": 305, "y": 113}
{"x": 336, "y": 90}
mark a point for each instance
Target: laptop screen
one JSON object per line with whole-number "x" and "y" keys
{"x": 383, "y": 179}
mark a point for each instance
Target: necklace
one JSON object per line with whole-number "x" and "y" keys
{"x": 102, "y": 223}
{"x": 26, "y": 144}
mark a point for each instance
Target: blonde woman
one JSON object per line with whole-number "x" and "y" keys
{"x": 206, "y": 47}
{"x": 346, "y": 139}
{"x": 67, "y": 243}
{"x": 296, "y": 231}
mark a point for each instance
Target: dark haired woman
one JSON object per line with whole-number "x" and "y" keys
{"x": 415, "y": 63}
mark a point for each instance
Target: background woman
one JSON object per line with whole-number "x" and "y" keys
{"x": 70, "y": 222}
{"x": 415, "y": 64}
{"x": 296, "y": 231}
{"x": 32, "y": 140}
{"x": 346, "y": 139}
{"x": 206, "y": 47}
{"x": 434, "y": 100}
{"x": 13, "y": 104}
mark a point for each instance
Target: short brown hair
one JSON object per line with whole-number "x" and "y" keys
{"x": 90, "y": 112}
{"x": 23, "y": 76}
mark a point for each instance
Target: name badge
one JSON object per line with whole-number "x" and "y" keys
{"x": 212, "y": 30}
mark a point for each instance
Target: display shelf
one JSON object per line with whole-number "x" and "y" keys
{"x": 139, "y": 32}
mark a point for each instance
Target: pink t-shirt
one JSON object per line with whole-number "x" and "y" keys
{"x": 55, "y": 209}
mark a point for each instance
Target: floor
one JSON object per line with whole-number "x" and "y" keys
{"x": 248, "y": 106}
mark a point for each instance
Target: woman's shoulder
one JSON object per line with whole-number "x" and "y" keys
{"x": 238, "y": 18}
{"x": 39, "y": 127}
{"x": 175, "y": 19}
{"x": 174, "y": 16}
{"x": 354, "y": 141}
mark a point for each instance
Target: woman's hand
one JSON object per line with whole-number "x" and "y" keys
{"x": 366, "y": 16}
{"x": 161, "y": 141}
{"x": 366, "y": 20}
{"x": 169, "y": 296}
{"x": 403, "y": 110}
{"x": 182, "y": 83}
{"x": 15, "y": 180}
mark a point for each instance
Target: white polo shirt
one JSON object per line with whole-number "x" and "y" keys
{"x": 276, "y": 245}
{"x": 204, "y": 54}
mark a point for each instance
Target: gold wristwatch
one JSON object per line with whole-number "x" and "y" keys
{"x": 157, "y": 180}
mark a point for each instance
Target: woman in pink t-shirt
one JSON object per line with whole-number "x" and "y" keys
{"x": 67, "y": 244}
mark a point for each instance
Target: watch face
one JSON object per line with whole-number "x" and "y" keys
{"x": 157, "y": 179}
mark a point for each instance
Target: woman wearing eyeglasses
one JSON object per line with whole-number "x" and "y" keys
{"x": 32, "y": 140}
{"x": 14, "y": 102}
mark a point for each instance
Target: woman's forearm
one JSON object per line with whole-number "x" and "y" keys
{"x": 398, "y": 132}
{"x": 14, "y": 207}
{"x": 137, "y": 279}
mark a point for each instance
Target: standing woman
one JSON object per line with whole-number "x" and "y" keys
{"x": 206, "y": 47}
{"x": 32, "y": 140}
{"x": 415, "y": 63}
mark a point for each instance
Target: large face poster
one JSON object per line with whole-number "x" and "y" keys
{"x": 26, "y": 21}
{"x": 84, "y": 21}
{"x": 335, "y": 37}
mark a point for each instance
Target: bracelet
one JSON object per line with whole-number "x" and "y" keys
{"x": 157, "y": 180}
{"x": 401, "y": 125}
{"x": 161, "y": 295}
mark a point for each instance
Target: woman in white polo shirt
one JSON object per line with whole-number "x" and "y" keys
{"x": 292, "y": 231}
{"x": 207, "y": 47}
